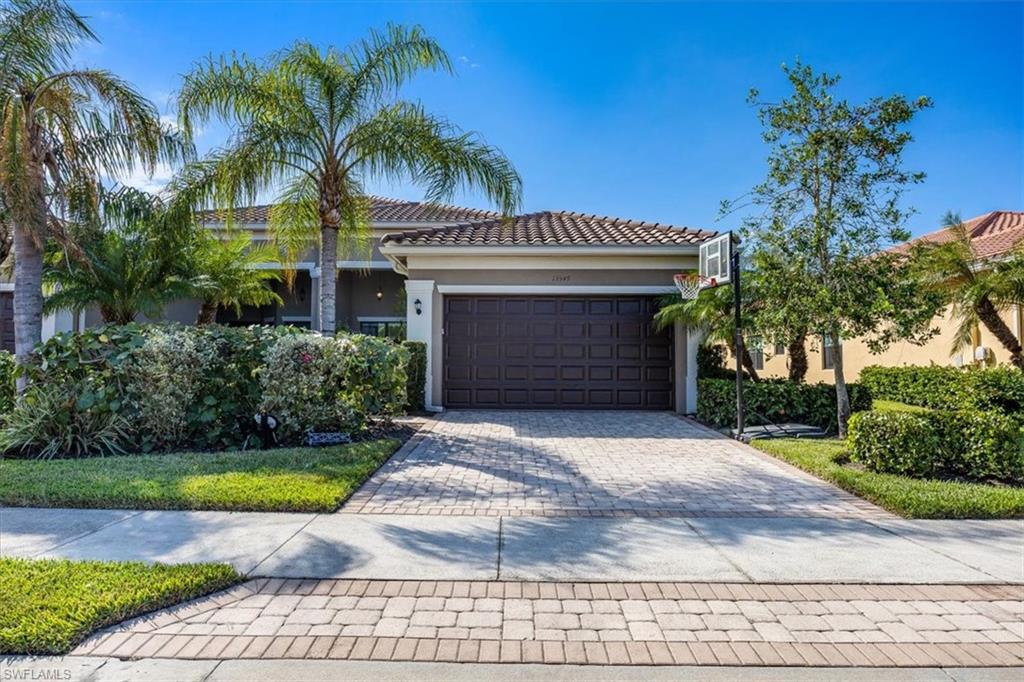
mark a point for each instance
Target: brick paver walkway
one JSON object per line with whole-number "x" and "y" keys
{"x": 600, "y": 623}
{"x": 522, "y": 463}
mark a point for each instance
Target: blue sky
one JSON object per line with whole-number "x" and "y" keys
{"x": 638, "y": 110}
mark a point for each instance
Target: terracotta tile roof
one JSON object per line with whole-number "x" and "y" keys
{"x": 383, "y": 210}
{"x": 992, "y": 234}
{"x": 552, "y": 228}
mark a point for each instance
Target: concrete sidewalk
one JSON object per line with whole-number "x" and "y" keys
{"x": 94, "y": 669}
{"x": 775, "y": 549}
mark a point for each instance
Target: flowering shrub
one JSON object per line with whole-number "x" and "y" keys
{"x": 304, "y": 386}
{"x": 316, "y": 383}
{"x": 171, "y": 387}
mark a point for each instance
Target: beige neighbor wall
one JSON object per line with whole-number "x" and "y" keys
{"x": 555, "y": 271}
{"x": 857, "y": 356}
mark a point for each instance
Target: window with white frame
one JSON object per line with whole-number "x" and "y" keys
{"x": 828, "y": 352}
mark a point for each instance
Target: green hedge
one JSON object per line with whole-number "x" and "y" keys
{"x": 968, "y": 444}
{"x": 6, "y": 382}
{"x": 416, "y": 375}
{"x": 160, "y": 387}
{"x": 998, "y": 389}
{"x": 777, "y": 400}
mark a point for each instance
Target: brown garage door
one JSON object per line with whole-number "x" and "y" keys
{"x": 577, "y": 352}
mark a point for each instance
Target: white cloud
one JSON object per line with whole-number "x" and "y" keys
{"x": 468, "y": 62}
{"x": 139, "y": 179}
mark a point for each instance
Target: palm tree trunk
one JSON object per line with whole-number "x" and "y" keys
{"x": 28, "y": 297}
{"x": 798, "y": 358}
{"x": 328, "y": 278}
{"x": 842, "y": 394}
{"x": 989, "y": 316}
{"x": 207, "y": 313}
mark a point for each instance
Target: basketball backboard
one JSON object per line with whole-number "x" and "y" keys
{"x": 715, "y": 259}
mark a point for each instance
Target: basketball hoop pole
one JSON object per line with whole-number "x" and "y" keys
{"x": 735, "y": 267}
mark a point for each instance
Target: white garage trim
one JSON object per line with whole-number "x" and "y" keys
{"x": 552, "y": 289}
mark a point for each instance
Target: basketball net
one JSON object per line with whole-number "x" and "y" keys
{"x": 690, "y": 284}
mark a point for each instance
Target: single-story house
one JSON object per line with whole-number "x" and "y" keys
{"x": 993, "y": 236}
{"x": 545, "y": 310}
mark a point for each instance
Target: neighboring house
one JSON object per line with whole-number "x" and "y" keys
{"x": 545, "y": 310}
{"x": 993, "y": 235}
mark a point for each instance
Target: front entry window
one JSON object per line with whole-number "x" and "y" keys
{"x": 389, "y": 328}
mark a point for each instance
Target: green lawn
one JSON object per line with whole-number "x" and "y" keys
{"x": 908, "y": 497}
{"x": 893, "y": 406}
{"x": 289, "y": 479}
{"x": 48, "y": 606}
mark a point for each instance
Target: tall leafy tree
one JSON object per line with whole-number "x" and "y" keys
{"x": 829, "y": 205}
{"x": 61, "y": 129}
{"x": 316, "y": 125}
{"x": 231, "y": 272}
{"x": 977, "y": 291}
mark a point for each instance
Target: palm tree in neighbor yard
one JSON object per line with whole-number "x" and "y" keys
{"x": 314, "y": 126}
{"x": 977, "y": 292}
{"x": 61, "y": 129}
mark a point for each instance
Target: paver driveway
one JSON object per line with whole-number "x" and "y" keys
{"x": 532, "y": 463}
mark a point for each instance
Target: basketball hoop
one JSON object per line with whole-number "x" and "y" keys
{"x": 690, "y": 284}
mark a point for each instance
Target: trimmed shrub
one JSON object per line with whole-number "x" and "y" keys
{"x": 939, "y": 444}
{"x": 170, "y": 387}
{"x": 775, "y": 400}
{"x": 304, "y": 386}
{"x": 416, "y": 375}
{"x": 711, "y": 362}
{"x": 999, "y": 389}
{"x": 317, "y": 383}
{"x": 375, "y": 375}
{"x": 7, "y": 391}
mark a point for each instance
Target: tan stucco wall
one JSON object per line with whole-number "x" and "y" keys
{"x": 857, "y": 356}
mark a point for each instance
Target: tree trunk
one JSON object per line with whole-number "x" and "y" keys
{"x": 797, "y": 350}
{"x": 989, "y": 316}
{"x": 28, "y": 297}
{"x": 207, "y": 313}
{"x": 842, "y": 394}
{"x": 328, "y": 278}
{"x": 748, "y": 364}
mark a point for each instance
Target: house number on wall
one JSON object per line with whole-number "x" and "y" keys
{"x": 560, "y": 278}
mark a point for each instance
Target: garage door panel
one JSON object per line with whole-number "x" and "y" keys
{"x": 576, "y": 306}
{"x": 487, "y": 372}
{"x": 545, "y": 373}
{"x": 573, "y": 372}
{"x": 598, "y": 352}
{"x": 545, "y": 306}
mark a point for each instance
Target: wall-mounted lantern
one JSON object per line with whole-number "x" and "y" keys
{"x": 419, "y": 306}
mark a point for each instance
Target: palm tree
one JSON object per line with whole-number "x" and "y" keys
{"x": 712, "y": 311}
{"x": 977, "y": 292}
{"x": 61, "y": 129}
{"x": 314, "y": 126}
{"x": 135, "y": 257}
{"x": 231, "y": 272}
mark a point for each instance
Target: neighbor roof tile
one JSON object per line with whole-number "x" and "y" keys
{"x": 992, "y": 234}
{"x": 382, "y": 210}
